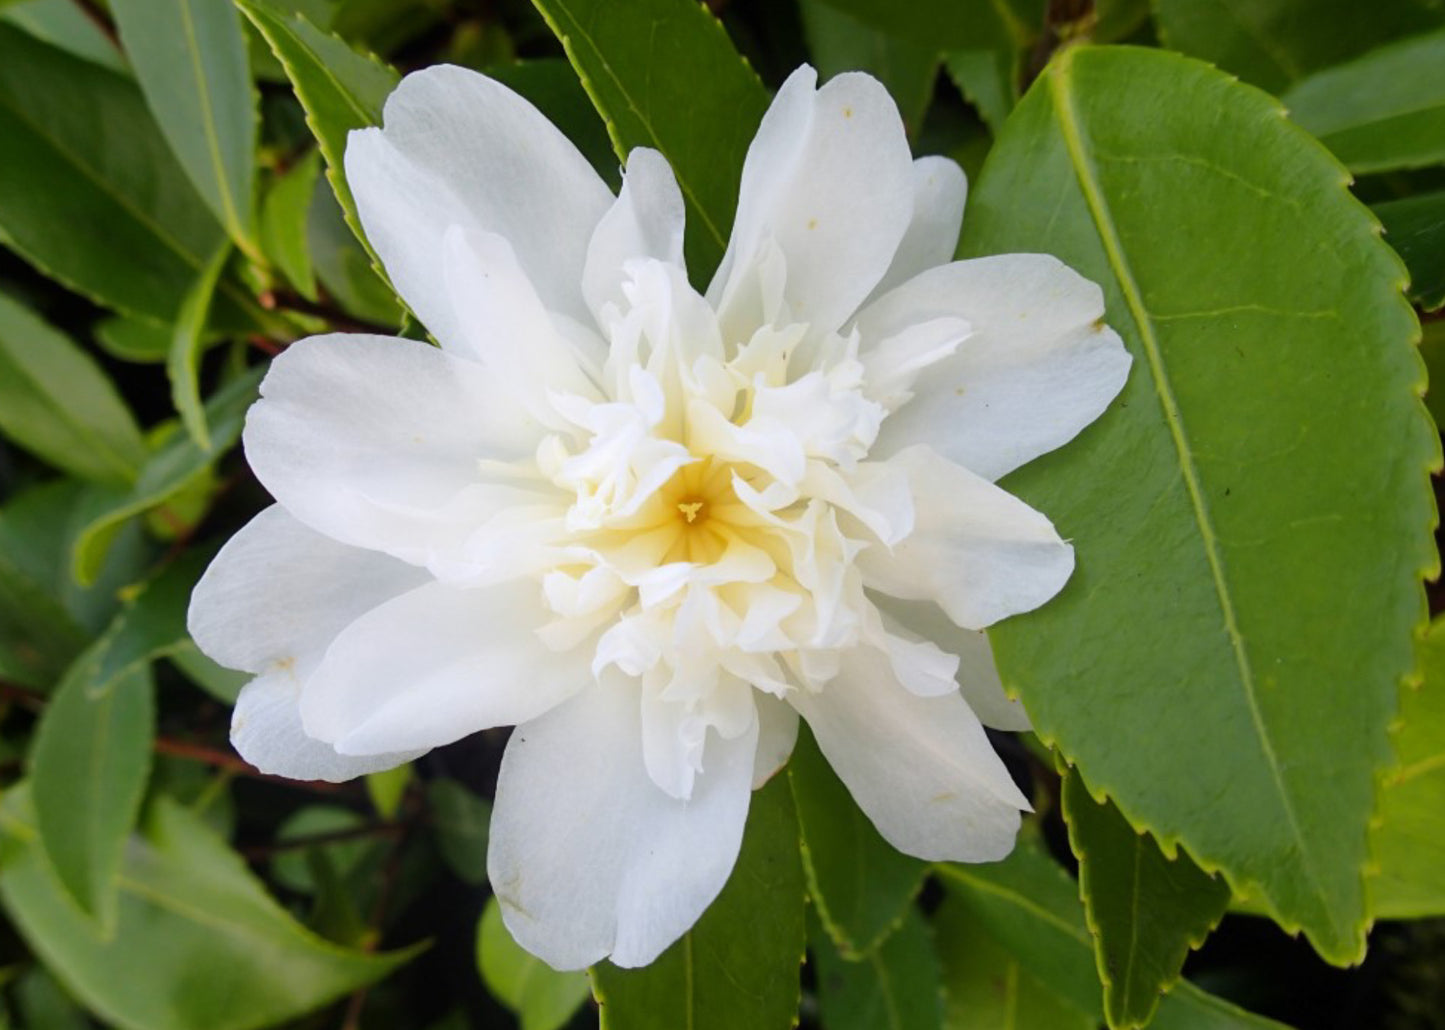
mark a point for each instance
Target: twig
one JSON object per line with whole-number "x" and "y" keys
{"x": 236, "y": 764}
{"x": 22, "y": 696}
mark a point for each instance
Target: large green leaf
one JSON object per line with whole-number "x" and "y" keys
{"x": 56, "y": 402}
{"x": 461, "y": 821}
{"x": 988, "y": 66}
{"x": 986, "y": 987}
{"x": 1145, "y": 911}
{"x": 171, "y": 468}
{"x": 1252, "y": 518}
{"x": 1409, "y": 843}
{"x": 340, "y": 89}
{"x": 1031, "y": 908}
{"x": 1272, "y": 43}
{"x": 541, "y": 997}
{"x": 190, "y": 59}
{"x": 896, "y": 987}
{"x": 862, "y": 885}
{"x": 738, "y": 966}
{"x": 1385, "y": 110}
{"x": 88, "y": 770}
{"x": 89, "y": 191}
{"x": 198, "y": 945}
{"x": 664, "y": 74}
{"x": 64, "y": 24}
{"x": 1415, "y": 227}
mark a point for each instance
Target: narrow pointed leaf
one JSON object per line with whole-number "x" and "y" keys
{"x": 862, "y": 885}
{"x": 896, "y": 987}
{"x": 539, "y": 996}
{"x": 196, "y": 931}
{"x": 283, "y": 223}
{"x": 1252, "y": 517}
{"x": 1415, "y": 227}
{"x": 1272, "y": 43}
{"x": 340, "y": 89}
{"x": 1384, "y": 110}
{"x": 1409, "y": 843}
{"x": 1145, "y": 911}
{"x": 190, "y": 59}
{"x": 109, "y": 213}
{"x": 56, "y": 402}
{"x": 738, "y": 965}
{"x": 665, "y": 75}
{"x": 139, "y": 340}
{"x": 186, "y": 345}
{"x": 1031, "y": 908}
{"x": 88, "y": 770}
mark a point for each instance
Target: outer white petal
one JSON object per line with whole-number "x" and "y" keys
{"x": 375, "y": 442}
{"x": 460, "y": 149}
{"x": 588, "y": 857}
{"x": 829, "y": 180}
{"x": 437, "y": 664}
{"x": 266, "y": 731}
{"x": 1039, "y": 366}
{"x": 977, "y": 550}
{"x": 978, "y": 678}
{"x": 921, "y": 769}
{"x": 939, "y": 192}
{"x": 646, "y": 221}
{"x": 777, "y": 734}
{"x": 278, "y": 592}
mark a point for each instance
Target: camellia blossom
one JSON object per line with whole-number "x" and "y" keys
{"x": 652, "y": 527}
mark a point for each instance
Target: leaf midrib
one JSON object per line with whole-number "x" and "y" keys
{"x": 208, "y": 118}
{"x": 1085, "y": 174}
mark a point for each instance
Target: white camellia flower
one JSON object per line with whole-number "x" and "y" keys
{"x": 651, "y": 527}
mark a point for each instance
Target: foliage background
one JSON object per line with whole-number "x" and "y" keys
{"x": 172, "y": 214}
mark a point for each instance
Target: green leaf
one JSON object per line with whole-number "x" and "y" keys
{"x": 1031, "y": 908}
{"x": 460, "y": 821}
{"x": 138, "y": 340}
{"x": 1252, "y": 517}
{"x": 63, "y": 24}
{"x": 152, "y": 624}
{"x": 665, "y": 75}
{"x": 1409, "y": 842}
{"x": 985, "y": 985}
{"x": 340, "y": 89}
{"x": 1145, "y": 911}
{"x": 196, "y": 932}
{"x": 387, "y": 788}
{"x": 1382, "y": 111}
{"x": 988, "y": 66}
{"x": 170, "y": 469}
{"x": 221, "y": 683}
{"x": 541, "y": 997}
{"x": 38, "y": 636}
{"x": 896, "y": 987}
{"x": 62, "y": 180}
{"x": 88, "y": 770}
{"x": 942, "y": 24}
{"x": 839, "y": 42}
{"x": 283, "y": 223}
{"x": 738, "y": 966}
{"x": 862, "y": 885}
{"x": 293, "y": 866}
{"x": 56, "y": 402}
{"x": 43, "y": 1003}
{"x": 345, "y": 268}
{"x": 1272, "y": 43}
{"x": 190, "y": 59}
{"x": 1415, "y": 227}
{"x": 1432, "y": 349}
{"x": 187, "y": 344}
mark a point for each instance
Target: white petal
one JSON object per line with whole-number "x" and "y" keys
{"x": 460, "y": 149}
{"x": 278, "y": 592}
{"x": 266, "y": 731}
{"x": 646, "y": 221}
{"x": 777, "y": 733}
{"x": 920, "y": 768}
{"x": 372, "y": 440}
{"x": 437, "y": 664}
{"x": 588, "y": 857}
{"x": 939, "y": 192}
{"x": 978, "y": 678}
{"x": 978, "y": 551}
{"x": 1039, "y": 366}
{"x": 505, "y": 326}
{"x": 829, "y": 179}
